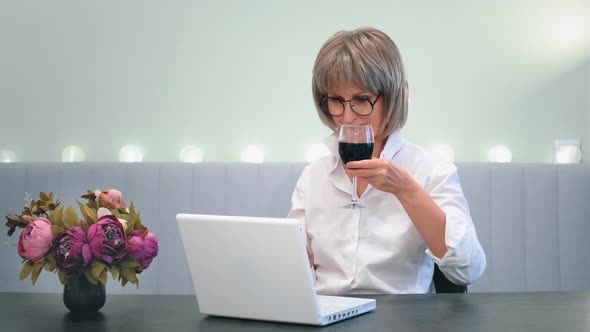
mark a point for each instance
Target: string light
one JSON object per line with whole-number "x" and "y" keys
{"x": 73, "y": 153}
{"x": 7, "y": 156}
{"x": 131, "y": 154}
{"x": 252, "y": 154}
{"x": 444, "y": 150}
{"x": 499, "y": 154}
{"x": 191, "y": 154}
{"x": 567, "y": 152}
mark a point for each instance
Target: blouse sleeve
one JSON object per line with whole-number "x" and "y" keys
{"x": 464, "y": 261}
{"x": 298, "y": 206}
{"x": 297, "y": 199}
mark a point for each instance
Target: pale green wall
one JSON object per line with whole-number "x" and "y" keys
{"x": 222, "y": 74}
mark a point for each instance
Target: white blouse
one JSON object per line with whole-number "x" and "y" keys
{"x": 378, "y": 249}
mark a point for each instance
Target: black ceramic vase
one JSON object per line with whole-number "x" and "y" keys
{"x": 82, "y": 296}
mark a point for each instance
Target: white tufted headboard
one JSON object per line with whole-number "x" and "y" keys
{"x": 533, "y": 220}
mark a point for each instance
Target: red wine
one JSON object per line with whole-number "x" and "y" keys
{"x": 355, "y": 151}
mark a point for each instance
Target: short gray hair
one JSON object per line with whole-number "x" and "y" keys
{"x": 369, "y": 59}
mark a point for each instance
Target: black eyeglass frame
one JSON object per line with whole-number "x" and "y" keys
{"x": 325, "y": 108}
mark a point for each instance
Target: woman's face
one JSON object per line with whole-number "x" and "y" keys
{"x": 375, "y": 119}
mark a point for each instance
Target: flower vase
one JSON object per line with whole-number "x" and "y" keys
{"x": 82, "y": 296}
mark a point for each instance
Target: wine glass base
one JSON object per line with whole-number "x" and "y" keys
{"x": 353, "y": 205}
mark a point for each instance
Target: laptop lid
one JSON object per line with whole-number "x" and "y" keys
{"x": 250, "y": 267}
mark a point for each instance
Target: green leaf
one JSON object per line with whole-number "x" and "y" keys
{"x": 103, "y": 277}
{"x": 13, "y": 221}
{"x": 43, "y": 196}
{"x": 129, "y": 274}
{"x": 70, "y": 218}
{"x": 116, "y": 213}
{"x": 92, "y": 214}
{"x": 132, "y": 218}
{"x": 114, "y": 271}
{"x": 36, "y": 271}
{"x": 62, "y": 277}
{"x": 48, "y": 265}
{"x": 89, "y": 214}
{"x": 84, "y": 226}
{"x": 132, "y": 263}
{"x": 135, "y": 219}
{"x": 98, "y": 268}
{"x": 130, "y": 227}
{"x": 91, "y": 279}
{"x": 57, "y": 229}
{"x": 55, "y": 216}
{"x": 81, "y": 207}
{"x": 26, "y": 270}
{"x": 131, "y": 209}
{"x": 138, "y": 224}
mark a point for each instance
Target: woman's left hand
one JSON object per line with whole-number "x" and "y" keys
{"x": 383, "y": 175}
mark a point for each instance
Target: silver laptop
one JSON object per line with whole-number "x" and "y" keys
{"x": 257, "y": 268}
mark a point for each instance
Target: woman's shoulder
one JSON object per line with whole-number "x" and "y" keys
{"x": 320, "y": 166}
{"x": 429, "y": 160}
{"x": 325, "y": 159}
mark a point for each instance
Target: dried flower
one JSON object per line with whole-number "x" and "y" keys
{"x": 35, "y": 240}
{"x": 101, "y": 240}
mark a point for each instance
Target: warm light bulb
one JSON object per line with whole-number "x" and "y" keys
{"x": 567, "y": 29}
{"x": 191, "y": 154}
{"x": 567, "y": 152}
{"x": 130, "y": 154}
{"x": 499, "y": 154}
{"x": 7, "y": 156}
{"x": 444, "y": 150}
{"x": 73, "y": 153}
{"x": 317, "y": 151}
{"x": 252, "y": 154}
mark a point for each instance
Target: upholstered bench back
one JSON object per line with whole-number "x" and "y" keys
{"x": 533, "y": 220}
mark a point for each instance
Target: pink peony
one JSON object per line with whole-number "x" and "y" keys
{"x": 35, "y": 240}
{"x": 112, "y": 198}
{"x": 107, "y": 239}
{"x": 143, "y": 246}
{"x": 72, "y": 254}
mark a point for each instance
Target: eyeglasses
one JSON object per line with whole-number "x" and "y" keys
{"x": 361, "y": 105}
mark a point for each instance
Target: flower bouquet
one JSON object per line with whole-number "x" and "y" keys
{"x": 109, "y": 236}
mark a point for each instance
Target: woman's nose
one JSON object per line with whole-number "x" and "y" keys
{"x": 348, "y": 116}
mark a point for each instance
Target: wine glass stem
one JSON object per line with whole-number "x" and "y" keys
{"x": 355, "y": 197}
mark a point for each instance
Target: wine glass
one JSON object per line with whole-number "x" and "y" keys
{"x": 355, "y": 142}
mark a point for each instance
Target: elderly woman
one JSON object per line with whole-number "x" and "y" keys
{"x": 415, "y": 213}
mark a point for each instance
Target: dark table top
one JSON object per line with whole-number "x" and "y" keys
{"x": 536, "y": 311}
